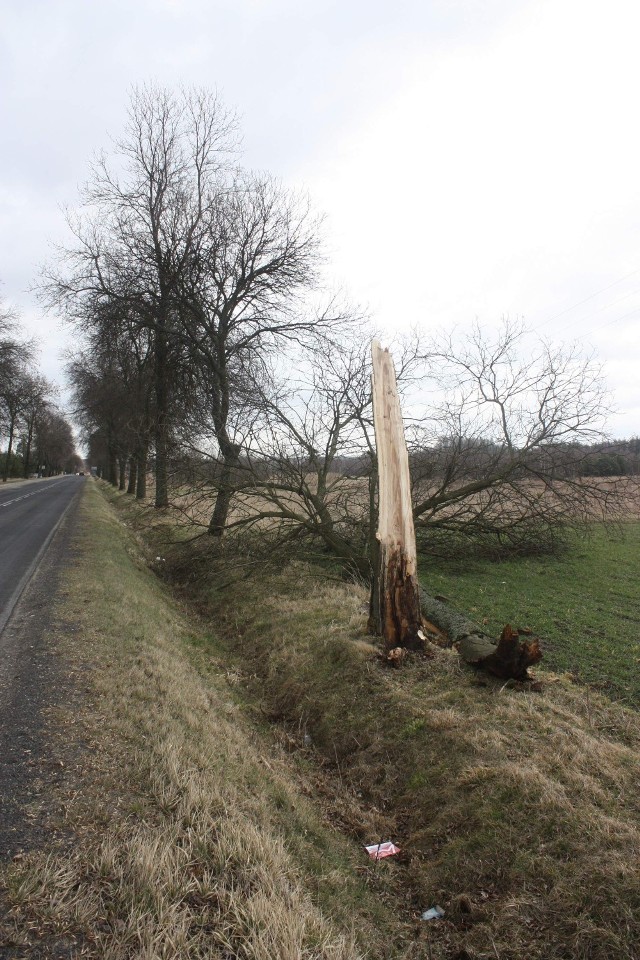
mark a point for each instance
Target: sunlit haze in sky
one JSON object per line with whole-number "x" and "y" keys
{"x": 474, "y": 158}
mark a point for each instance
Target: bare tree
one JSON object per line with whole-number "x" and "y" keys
{"x": 38, "y": 393}
{"x": 258, "y": 259}
{"x": 54, "y": 442}
{"x": 12, "y": 398}
{"x": 306, "y": 473}
{"x": 9, "y": 346}
{"x": 16, "y": 381}
{"x": 112, "y": 381}
{"x": 496, "y": 465}
{"x": 500, "y": 458}
{"x": 144, "y": 213}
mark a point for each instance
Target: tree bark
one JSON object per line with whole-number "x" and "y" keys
{"x": 225, "y": 491}
{"x": 122, "y": 473}
{"x": 162, "y": 417}
{"x": 141, "y": 483}
{"x": 507, "y": 658}
{"x": 133, "y": 474}
{"x": 456, "y": 626}
{"x": 113, "y": 470}
{"x": 27, "y": 452}
{"x": 395, "y": 599}
{"x": 7, "y": 461}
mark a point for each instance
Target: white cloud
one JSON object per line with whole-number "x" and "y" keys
{"x": 475, "y": 158}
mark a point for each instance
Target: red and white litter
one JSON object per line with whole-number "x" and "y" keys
{"x": 378, "y": 851}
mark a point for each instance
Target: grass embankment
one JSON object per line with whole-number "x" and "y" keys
{"x": 190, "y": 838}
{"x": 585, "y": 605}
{"x": 517, "y": 811}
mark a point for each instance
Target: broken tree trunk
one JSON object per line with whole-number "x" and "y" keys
{"x": 395, "y": 598}
{"x": 456, "y": 626}
{"x": 509, "y": 658}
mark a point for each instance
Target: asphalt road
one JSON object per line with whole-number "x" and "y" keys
{"x": 29, "y": 514}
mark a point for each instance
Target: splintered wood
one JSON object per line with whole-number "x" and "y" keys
{"x": 395, "y": 597}
{"x": 508, "y": 659}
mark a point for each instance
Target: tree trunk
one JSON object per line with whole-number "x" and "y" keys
{"x": 162, "y": 418}
{"x": 225, "y": 491}
{"x": 133, "y": 474}
{"x": 395, "y": 598}
{"x": 456, "y": 626}
{"x": 122, "y": 473}
{"x": 7, "y": 462}
{"x": 113, "y": 469}
{"x": 141, "y": 484}
{"x": 27, "y": 450}
{"x": 507, "y": 658}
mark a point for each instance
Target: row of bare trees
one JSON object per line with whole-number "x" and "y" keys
{"x": 35, "y": 435}
{"x": 209, "y": 351}
{"x": 185, "y": 274}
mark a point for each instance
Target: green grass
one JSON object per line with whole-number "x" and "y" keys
{"x": 585, "y": 605}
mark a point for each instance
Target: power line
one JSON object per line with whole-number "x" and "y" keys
{"x": 607, "y": 306}
{"x": 586, "y": 299}
{"x": 624, "y": 317}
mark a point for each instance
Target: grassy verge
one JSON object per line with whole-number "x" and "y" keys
{"x": 517, "y": 811}
{"x": 246, "y": 753}
{"x": 585, "y": 605}
{"x": 192, "y": 837}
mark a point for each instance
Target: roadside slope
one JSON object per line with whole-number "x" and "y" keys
{"x": 189, "y": 838}
{"x": 516, "y": 807}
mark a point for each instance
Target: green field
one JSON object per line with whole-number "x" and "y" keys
{"x": 584, "y": 605}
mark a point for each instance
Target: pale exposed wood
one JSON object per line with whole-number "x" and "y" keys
{"x": 395, "y": 598}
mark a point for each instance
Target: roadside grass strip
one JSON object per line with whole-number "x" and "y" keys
{"x": 185, "y": 829}
{"x": 252, "y": 744}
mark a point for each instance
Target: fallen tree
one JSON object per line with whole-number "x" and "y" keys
{"x": 509, "y": 657}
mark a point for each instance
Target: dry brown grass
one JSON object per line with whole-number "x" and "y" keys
{"x": 517, "y": 810}
{"x": 191, "y": 842}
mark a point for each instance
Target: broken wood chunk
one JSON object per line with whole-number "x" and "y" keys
{"x": 395, "y": 656}
{"x": 509, "y": 659}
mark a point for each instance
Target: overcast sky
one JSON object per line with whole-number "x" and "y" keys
{"x": 475, "y": 158}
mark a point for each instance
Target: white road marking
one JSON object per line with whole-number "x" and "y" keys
{"x": 27, "y": 495}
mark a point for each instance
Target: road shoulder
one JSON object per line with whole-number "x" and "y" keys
{"x": 38, "y": 766}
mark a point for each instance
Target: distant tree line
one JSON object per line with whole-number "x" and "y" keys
{"x": 35, "y": 438}
{"x": 619, "y": 458}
